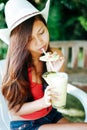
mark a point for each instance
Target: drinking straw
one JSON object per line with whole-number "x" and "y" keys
{"x": 51, "y": 66}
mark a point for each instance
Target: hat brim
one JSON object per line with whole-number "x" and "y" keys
{"x": 5, "y": 33}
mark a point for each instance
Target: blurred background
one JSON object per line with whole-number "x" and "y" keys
{"x": 67, "y": 20}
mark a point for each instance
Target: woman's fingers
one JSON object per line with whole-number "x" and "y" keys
{"x": 47, "y": 95}
{"x": 56, "y": 64}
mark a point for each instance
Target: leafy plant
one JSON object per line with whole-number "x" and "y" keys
{"x": 3, "y": 50}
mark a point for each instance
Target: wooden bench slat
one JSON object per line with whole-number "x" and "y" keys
{"x": 76, "y": 61}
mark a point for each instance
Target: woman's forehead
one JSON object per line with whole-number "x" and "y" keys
{"x": 38, "y": 24}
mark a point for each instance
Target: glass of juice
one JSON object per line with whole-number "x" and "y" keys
{"x": 59, "y": 81}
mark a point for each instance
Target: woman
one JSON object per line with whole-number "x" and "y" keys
{"x": 27, "y": 94}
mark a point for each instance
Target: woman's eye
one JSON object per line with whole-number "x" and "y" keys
{"x": 41, "y": 32}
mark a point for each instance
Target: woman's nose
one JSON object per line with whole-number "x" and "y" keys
{"x": 38, "y": 41}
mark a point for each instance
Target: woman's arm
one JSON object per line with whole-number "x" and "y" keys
{"x": 31, "y": 107}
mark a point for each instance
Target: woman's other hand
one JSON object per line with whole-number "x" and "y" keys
{"x": 56, "y": 64}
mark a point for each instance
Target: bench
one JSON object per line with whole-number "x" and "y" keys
{"x": 75, "y": 53}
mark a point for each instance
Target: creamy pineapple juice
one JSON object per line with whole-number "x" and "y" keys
{"x": 58, "y": 80}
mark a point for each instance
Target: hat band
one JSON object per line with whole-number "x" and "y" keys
{"x": 18, "y": 21}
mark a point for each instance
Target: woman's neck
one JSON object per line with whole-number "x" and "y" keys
{"x": 38, "y": 65}
{"x": 37, "y": 70}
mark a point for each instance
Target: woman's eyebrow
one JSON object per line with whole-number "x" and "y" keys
{"x": 40, "y": 28}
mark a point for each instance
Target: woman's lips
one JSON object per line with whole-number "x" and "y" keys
{"x": 44, "y": 47}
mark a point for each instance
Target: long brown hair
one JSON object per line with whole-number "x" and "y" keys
{"x": 16, "y": 86}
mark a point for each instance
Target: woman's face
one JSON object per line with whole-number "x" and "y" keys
{"x": 40, "y": 38}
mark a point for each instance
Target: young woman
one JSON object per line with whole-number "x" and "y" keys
{"x": 27, "y": 94}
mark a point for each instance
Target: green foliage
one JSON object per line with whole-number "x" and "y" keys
{"x": 83, "y": 22}
{"x": 54, "y": 23}
{"x": 67, "y": 22}
{"x": 3, "y": 50}
{"x": 2, "y": 20}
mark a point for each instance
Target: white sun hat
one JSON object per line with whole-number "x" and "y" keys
{"x": 16, "y": 12}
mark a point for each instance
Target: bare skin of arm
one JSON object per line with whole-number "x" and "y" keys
{"x": 30, "y": 107}
{"x": 64, "y": 126}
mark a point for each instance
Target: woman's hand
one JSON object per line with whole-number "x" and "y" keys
{"x": 54, "y": 61}
{"x": 56, "y": 64}
{"x": 50, "y": 94}
{"x": 47, "y": 96}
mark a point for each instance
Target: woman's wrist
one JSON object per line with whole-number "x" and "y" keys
{"x": 45, "y": 103}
